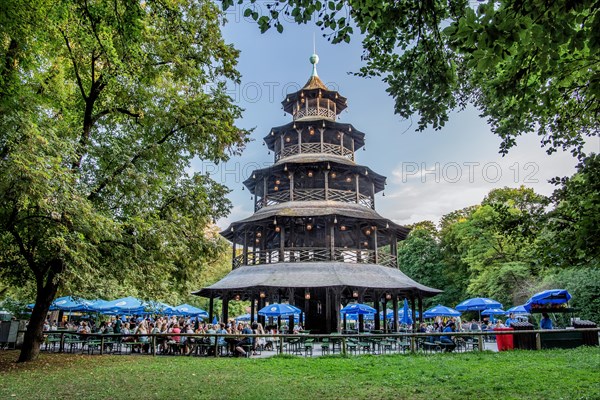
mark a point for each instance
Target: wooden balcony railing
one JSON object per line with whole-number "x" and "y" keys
{"x": 344, "y": 196}
{"x": 314, "y": 148}
{"x": 315, "y": 254}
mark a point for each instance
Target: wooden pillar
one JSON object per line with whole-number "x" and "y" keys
{"x": 328, "y": 309}
{"x": 375, "y": 245}
{"x": 420, "y": 308}
{"x": 264, "y": 199}
{"x": 357, "y": 188}
{"x": 332, "y": 242}
{"x": 252, "y": 308}
{"x": 245, "y": 256}
{"x": 384, "y": 302}
{"x": 395, "y": 300}
{"x": 300, "y": 139}
{"x": 373, "y": 195}
{"x": 281, "y": 145}
{"x": 211, "y": 307}
{"x": 413, "y": 308}
{"x": 225, "y": 309}
{"x": 281, "y": 243}
{"x": 377, "y": 304}
{"x": 326, "y": 173}
{"x": 233, "y": 255}
{"x": 352, "y": 144}
{"x": 338, "y": 301}
{"x": 292, "y": 186}
{"x": 341, "y": 143}
{"x": 321, "y": 131}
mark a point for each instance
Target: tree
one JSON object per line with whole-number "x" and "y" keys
{"x": 103, "y": 105}
{"x": 495, "y": 243}
{"x": 571, "y": 235}
{"x": 419, "y": 255}
{"x": 527, "y": 66}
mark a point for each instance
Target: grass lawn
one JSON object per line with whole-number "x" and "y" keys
{"x": 550, "y": 374}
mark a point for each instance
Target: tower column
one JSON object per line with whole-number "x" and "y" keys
{"x": 300, "y": 139}
{"x": 292, "y": 186}
{"x": 341, "y": 143}
{"x": 265, "y": 188}
{"x": 321, "y": 131}
{"x": 357, "y": 188}
{"x": 352, "y": 144}
{"x": 375, "y": 245}
{"x": 326, "y": 173}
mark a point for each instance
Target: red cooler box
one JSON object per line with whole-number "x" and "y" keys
{"x": 505, "y": 342}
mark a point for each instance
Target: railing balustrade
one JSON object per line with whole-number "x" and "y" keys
{"x": 390, "y": 341}
{"x": 314, "y": 112}
{"x": 345, "y": 196}
{"x": 315, "y": 254}
{"x": 326, "y": 148}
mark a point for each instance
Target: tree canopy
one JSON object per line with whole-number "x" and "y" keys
{"x": 103, "y": 105}
{"x": 530, "y": 66}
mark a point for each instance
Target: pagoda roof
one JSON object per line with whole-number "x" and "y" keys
{"x": 348, "y": 129}
{"x": 314, "y": 82}
{"x": 318, "y": 208}
{"x": 312, "y": 159}
{"x": 316, "y": 274}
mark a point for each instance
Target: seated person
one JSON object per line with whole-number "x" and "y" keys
{"x": 447, "y": 340}
{"x": 546, "y": 322}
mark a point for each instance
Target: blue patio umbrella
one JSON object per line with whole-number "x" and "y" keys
{"x": 493, "y": 311}
{"x": 188, "y": 311}
{"x": 406, "y": 318}
{"x": 478, "y": 304}
{"x": 68, "y": 303}
{"x": 279, "y": 310}
{"x": 553, "y": 296}
{"x": 441, "y": 311}
{"x": 517, "y": 310}
{"x": 358, "y": 308}
{"x": 125, "y": 305}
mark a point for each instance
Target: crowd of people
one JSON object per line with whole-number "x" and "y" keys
{"x": 170, "y": 330}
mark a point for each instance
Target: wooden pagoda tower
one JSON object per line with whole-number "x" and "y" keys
{"x": 315, "y": 239}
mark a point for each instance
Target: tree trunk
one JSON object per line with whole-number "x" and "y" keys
{"x": 33, "y": 336}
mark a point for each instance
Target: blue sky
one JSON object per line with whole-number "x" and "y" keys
{"x": 429, "y": 173}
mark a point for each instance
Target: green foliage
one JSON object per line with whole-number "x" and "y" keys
{"x": 103, "y": 105}
{"x": 584, "y": 286}
{"x": 527, "y": 66}
{"x": 571, "y": 236}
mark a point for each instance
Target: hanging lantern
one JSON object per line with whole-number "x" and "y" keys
{"x": 276, "y": 188}
{"x": 237, "y": 297}
{"x": 257, "y": 240}
{"x": 355, "y": 294}
{"x": 307, "y": 295}
{"x": 367, "y": 232}
{"x": 262, "y": 295}
{"x": 335, "y": 220}
{"x": 310, "y": 174}
{"x": 366, "y": 244}
{"x": 277, "y": 181}
{"x": 287, "y": 140}
{"x": 328, "y": 166}
{"x": 285, "y": 167}
{"x": 333, "y": 175}
{"x": 277, "y": 229}
{"x": 275, "y": 221}
{"x": 309, "y": 227}
{"x": 387, "y": 225}
{"x": 388, "y": 296}
{"x": 311, "y": 131}
{"x": 343, "y": 228}
{"x": 258, "y": 234}
{"x": 253, "y": 176}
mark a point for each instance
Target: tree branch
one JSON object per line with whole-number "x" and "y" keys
{"x": 112, "y": 110}
{"x": 77, "y": 76}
